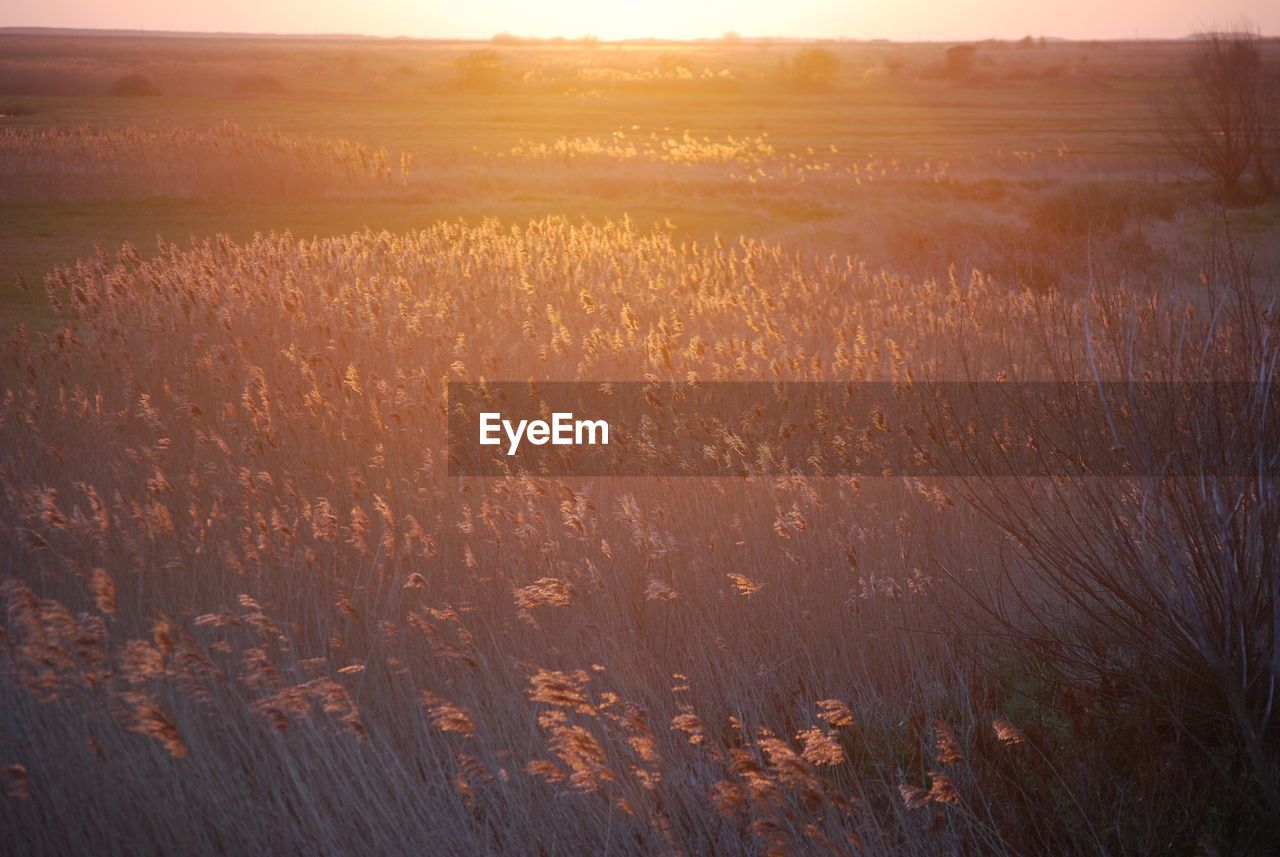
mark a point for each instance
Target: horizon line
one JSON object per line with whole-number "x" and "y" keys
{"x": 514, "y": 39}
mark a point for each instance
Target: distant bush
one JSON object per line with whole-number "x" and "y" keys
{"x": 1100, "y": 207}
{"x": 133, "y": 85}
{"x": 17, "y": 110}
{"x": 480, "y": 71}
{"x": 257, "y": 84}
{"x": 814, "y": 69}
{"x": 959, "y": 61}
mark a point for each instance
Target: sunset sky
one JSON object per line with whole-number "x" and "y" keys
{"x": 903, "y": 20}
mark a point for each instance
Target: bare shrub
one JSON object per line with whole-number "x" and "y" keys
{"x": 1222, "y": 121}
{"x": 1153, "y": 601}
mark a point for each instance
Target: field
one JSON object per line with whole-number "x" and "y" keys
{"x": 248, "y": 610}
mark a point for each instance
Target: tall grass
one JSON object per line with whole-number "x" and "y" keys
{"x": 247, "y": 611}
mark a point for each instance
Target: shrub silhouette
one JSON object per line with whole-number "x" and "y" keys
{"x": 1097, "y": 206}
{"x": 814, "y": 69}
{"x": 1221, "y": 122}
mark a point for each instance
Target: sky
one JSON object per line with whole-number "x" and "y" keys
{"x": 857, "y": 19}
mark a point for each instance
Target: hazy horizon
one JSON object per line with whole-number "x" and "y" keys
{"x": 658, "y": 19}
{"x": 620, "y": 40}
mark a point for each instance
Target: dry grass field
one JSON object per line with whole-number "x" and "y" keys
{"x": 247, "y": 610}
